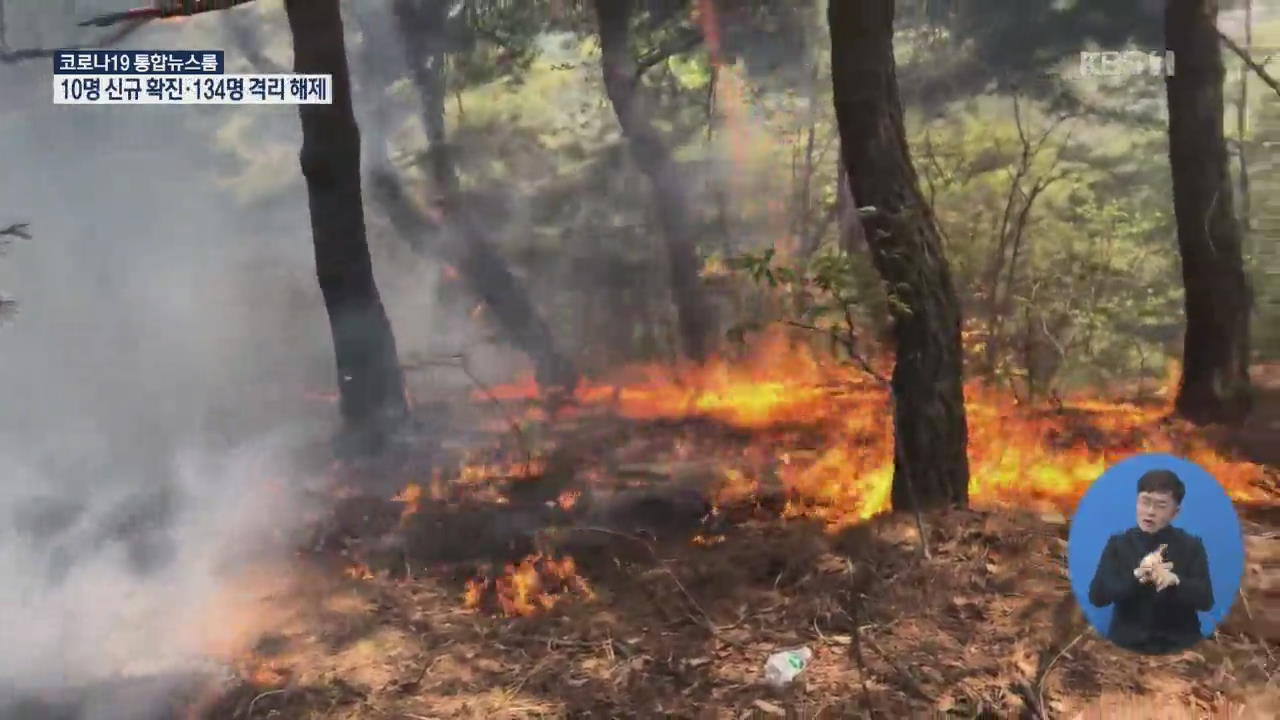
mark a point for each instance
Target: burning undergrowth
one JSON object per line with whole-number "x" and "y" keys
{"x": 673, "y": 455}
{"x": 976, "y": 627}
{"x": 648, "y": 544}
{"x": 670, "y": 454}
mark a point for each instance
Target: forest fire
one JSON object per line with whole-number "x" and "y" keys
{"x": 533, "y": 585}
{"x": 410, "y": 496}
{"x": 829, "y": 428}
{"x": 783, "y": 428}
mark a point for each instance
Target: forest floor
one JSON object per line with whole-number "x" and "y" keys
{"x": 642, "y": 606}
{"x": 633, "y": 559}
{"x": 987, "y": 625}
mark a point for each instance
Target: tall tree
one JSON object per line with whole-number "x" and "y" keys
{"x": 370, "y": 382}
{"x": 422, "y": 27}
{"x": 931, "y": 468}
{"x": 1215, "y": 384}
{"x": 1242, "y": 125}
{"x": 651, "y": 154}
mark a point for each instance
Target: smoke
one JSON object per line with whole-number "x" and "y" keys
{"x": 122, "y": 582}
{"x": 153, "y": 385}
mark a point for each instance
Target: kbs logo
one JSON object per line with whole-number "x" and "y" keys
{"x": 1111, "y": 63}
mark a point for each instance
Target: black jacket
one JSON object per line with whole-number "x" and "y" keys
{"x": 1145, "y": 620}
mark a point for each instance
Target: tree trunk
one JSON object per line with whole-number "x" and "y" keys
{"x": 370, "y": 382}
{"x": 1242, "y": 126}
{"x": 422, "y": 30}
{"x": 654, "y": 159}
{"x": 931, "y": 468}
{"x": 1215, "y": 383}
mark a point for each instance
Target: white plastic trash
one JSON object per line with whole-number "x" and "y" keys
{"x": 783, "y": 667}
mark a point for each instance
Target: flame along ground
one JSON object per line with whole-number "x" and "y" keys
{"x": 1017, "y": 454}
{"x": 823, "y": 430}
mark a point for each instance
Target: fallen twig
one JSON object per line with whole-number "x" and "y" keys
{"x": 249, "y": 713}
{"x": 912, "y": 685}
{"x": 706, "y": 620}
{"x": 1040, "y": 681}
{"x": 1266, "y": 646}
{"x": 514, "y": 690}
{"x": 459, "y": 361}
{"x": 426, "y": 668}
{"x": 857, "y": 645}
{"x": 1029, "y": 697}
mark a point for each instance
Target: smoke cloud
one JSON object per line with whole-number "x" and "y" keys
{"x": 153, "y": 383}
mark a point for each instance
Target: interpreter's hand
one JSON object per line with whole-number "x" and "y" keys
{"x": 1164, "y": 577}
{"x": 1145, "y": 572}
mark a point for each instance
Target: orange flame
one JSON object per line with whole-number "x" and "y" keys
{"x": 535, "y": 584}
{"x": 410, "y": 497}
{"x": 358, "y": 571}
{"x": 266, "y": 675}
{"x": 1019, "y": 456}
{"x": 568, "y": 499}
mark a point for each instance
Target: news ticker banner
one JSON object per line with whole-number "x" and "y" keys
{"x": 175, "y": 77}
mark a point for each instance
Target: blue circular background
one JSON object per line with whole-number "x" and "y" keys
{"x": 1110, "y": 506}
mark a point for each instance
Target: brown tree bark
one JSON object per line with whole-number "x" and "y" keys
{"x": 651, "y": 154}
{"x": 931, "y": 467}
{"x": 370, "y": 382}
{"x": 422, "y": 31}
{"x": 1215, "y": 384}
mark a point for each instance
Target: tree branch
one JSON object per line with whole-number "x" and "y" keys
{"x": 16, "y": 230}
{"x": 163, "y": 9}
{"x": 1252, "y": 64}
{"x": 687, "y": 42}
{"x": 849, "y": 346}
{"x": 16, "y": 56}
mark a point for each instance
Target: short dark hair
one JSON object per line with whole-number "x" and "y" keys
{"x": 1163, "y": 481}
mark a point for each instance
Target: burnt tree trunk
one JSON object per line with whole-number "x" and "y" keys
{"x": 931, "y": 468}
{"x": 1215, "y": 383}
{"x": 422, "y": 30}
{"x": 651, "y": 154}
{"x": 370, "y": 382}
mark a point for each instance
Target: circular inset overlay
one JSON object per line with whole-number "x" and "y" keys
{"x": 1109, "y": 538}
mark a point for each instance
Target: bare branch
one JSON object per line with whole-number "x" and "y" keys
{"x": 849, "y": 346}
{"x": 16, "y": 230}
{"x": 461, "y": 362}
{"x": 1252, "y": 64}
{"x": 683, "y": 44}
{"x": 16, "y": 56}
{"x": 172, "y": 8}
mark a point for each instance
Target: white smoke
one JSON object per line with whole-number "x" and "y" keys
{"x": 152, "y": 384}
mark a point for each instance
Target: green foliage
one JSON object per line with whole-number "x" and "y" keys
{"x": 1095, "y": 293}
{"x": 1022, "y": 38}
{"x": 1093, "y": 296}
{"x": 830, "y": 293}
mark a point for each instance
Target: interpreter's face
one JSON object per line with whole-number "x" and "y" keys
{"x": 1155, "y": 510}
